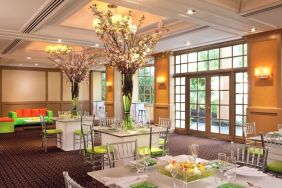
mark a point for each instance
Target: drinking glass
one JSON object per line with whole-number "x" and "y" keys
{"x": 230, "y": 174}
{"x": 145, "y": 157}
{"x": 232, "y": 149}
{"x": 280, "y": 129}
{"x": 221, "y": 166}
{"x": 173, "y": 170}
{"x": 221, "y": 158}
{"x": 60, "y": 114}
{"x": 194, "y": 148}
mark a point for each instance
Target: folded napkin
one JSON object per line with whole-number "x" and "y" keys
{"x": 228, "y": 185}
{"x": 124, "y": 182}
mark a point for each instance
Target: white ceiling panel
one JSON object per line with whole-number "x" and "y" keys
{"x": 195, "y": 38}
{"x": 272, "y": 17}
{"x": 15, "y": 13}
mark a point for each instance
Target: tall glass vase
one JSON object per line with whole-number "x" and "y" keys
{"x": 74, "y": 95}
{"x": 127, "y": 88}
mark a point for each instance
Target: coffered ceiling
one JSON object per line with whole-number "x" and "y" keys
{"x": 26, "y": 27}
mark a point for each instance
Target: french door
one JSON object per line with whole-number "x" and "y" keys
{"x": 209, "y": 106}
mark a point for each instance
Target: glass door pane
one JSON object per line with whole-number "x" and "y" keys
{"x": 197, "y": 103}
{"x": 220, "y": 106}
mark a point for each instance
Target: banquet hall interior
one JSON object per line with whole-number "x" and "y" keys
{"x": 141, "y": 93}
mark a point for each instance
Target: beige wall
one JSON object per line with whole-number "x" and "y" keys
{"x": 23, "y": 86}
{"x": 265, "y": 97}
{"x": 97, "y": 92}
{"x": 54, "y": 86}
{"x": 37, "y": 87}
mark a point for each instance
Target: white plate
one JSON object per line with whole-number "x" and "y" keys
{"x": 250, "y": 172}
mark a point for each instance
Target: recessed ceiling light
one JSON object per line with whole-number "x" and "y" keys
{"x": 187, "y": 43}
{"x": 253, "y": 29}
{"x": 59, "y": 40}
{"x": 96, "y": 45}
{"x": 28, "y": 58}
{"x": 190, "y": 11}
{"x": 36, "y": 64}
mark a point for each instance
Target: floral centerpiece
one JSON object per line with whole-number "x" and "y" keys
{"x": 125, "y": 48}
{"x": 75, "y": 67}
{"x": 186, "y": 171}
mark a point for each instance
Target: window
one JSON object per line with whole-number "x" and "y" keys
{"x": 103, "y": 86}
{"x": 214, "y": 59}
{"x": 241, "y": 100}
{"x": 212, "y": 74}
{"x": 146, "y": 84}
{"x": 180, "y": 102}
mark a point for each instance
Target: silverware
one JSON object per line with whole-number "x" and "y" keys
{"x": 252, "y": 185}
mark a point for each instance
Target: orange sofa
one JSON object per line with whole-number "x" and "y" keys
{"x": 21, "y": 115}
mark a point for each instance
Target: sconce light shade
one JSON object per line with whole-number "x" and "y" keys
{"x": 160, "y": 80}
{"x": 108, "y": 84}
{"x": 263, "y": 72}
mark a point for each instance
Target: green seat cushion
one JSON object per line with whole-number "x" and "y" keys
{"x": 97, "y": 150}
{"x": 230, "y": 185}
{"x": 53, "y": 131}
{"x": 275, "y": 166}
{"x": 77, "y": 132}
{"x": 155, "y": 151}
{"x": 256, "y": 151}
{"x": 161, "y": 141}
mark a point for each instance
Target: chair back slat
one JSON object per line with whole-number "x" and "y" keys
{"x": 120, "y": 152}
{"x": 69, "y": 182}
{"x": 86, "y": 132}
{"x": 165, "y": 122}
{"x": 249, "y": 130}
{"x": 107, "y": 122}
{"x": 157, "y": 133}
{"x": 43, "y": 125}
{"x": 252, "y": 156}
{"x": 273, "y": 142}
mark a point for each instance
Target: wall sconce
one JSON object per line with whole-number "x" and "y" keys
{"x": 109, "y": 86}
{"x": 263, "y": 72}
{"x": 160, "y": 80}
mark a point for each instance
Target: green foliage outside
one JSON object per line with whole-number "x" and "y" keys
{"x": 103, "y": 86}
{"x": 146, "y": 84}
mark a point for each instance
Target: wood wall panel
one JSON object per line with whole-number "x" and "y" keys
{"x": 55, "y": 107}
{"x": 110, "y": 92}
{"x": 24, "y": 85}
{"x": 82, "y": 106}
{"x": 162, "y": 97}
{"x": 12, "y": 106}
{"x": 265, "y": 94}
{"x": 54, "y": 86}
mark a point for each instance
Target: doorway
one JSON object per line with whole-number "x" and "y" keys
{"x": 209, "y": 106}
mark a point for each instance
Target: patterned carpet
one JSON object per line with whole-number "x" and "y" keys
{"x": 23, "y": 163}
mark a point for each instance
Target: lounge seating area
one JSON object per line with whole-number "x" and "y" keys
{"x": 30, "y": 116}
{"x": 141, "y": 94}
